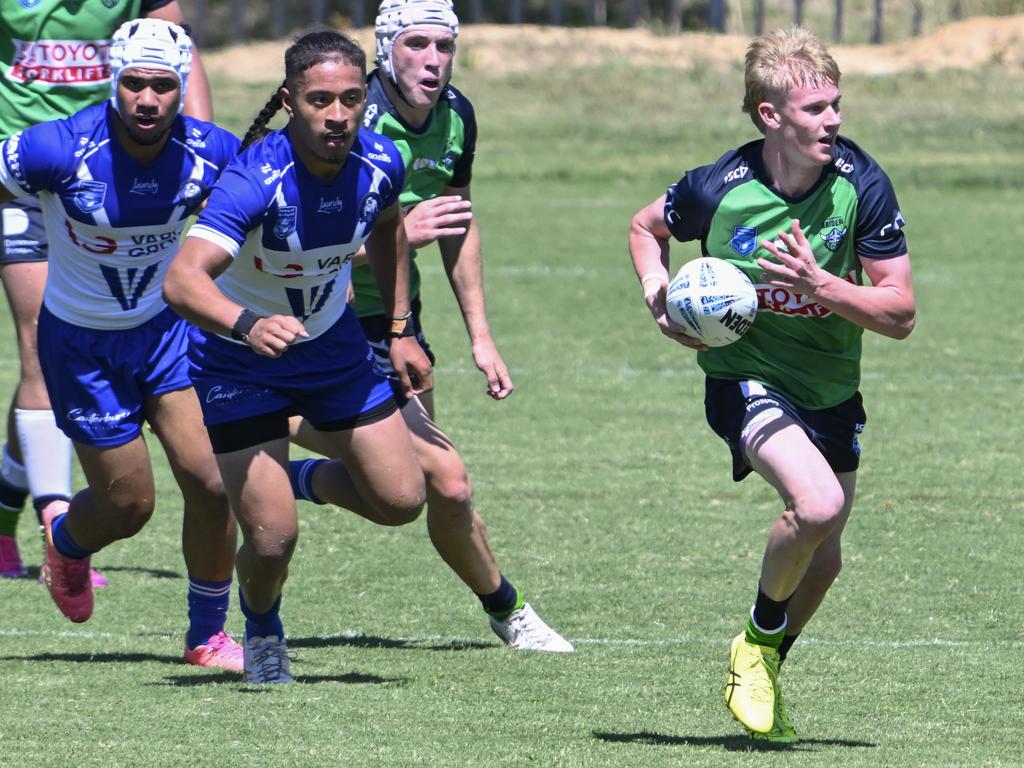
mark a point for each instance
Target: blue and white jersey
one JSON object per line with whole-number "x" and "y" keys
{"x": 113, "y": 223}
{"x": 293, "y": 236}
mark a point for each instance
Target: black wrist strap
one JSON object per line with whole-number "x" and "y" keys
{"x": 243, "y": 325}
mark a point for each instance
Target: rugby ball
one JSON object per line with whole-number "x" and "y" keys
{"x": 712, "y": 300}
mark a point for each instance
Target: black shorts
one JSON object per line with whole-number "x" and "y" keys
{"x": 377, "y": 329}
{"x": 730, "y": 405}
{"x": 22, "y": 231}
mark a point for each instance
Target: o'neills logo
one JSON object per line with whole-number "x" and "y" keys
{"x": 783, "y": 301}
{"x": 60, "y": 62}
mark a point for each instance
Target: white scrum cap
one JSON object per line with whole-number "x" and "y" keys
{"x": 396, "y": 16}
{"x": 150, "y": 44}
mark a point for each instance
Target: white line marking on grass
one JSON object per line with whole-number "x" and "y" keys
{"x": 353, "y": 634}
{"x": 55, "y": 633}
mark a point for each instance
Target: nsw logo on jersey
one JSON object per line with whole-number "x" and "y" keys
{"x": 89, "y": 196}
{"x": 287, "y": 216}
{"x": 370, "y": 208}
{"x": 744, "y": 240}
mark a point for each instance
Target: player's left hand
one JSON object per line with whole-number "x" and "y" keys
{"x": 487, "y": 359}
{"x": 797, "y": 270}
{"x": 412, "y": 365}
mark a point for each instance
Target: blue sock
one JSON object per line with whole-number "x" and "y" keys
{"x": 502, "y": 601}
{"x": 262, "y": 624}
{"x": 63, "y": 542}
{"x": 207, "y": 609}
{"x": 301, "y": 474}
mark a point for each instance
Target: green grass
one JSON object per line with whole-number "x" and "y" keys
{"x": 608, "y": 499}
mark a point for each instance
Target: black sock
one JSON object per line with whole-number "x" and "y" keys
{"x": 787, "y": 643}
{"x": 769, "y": 615}
{"x": 502, "y": 601}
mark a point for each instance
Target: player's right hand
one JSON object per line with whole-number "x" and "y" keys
{"x": 656, "y": 304}
{"x": 271, "y": 336}
{"x": 445, "y": 216}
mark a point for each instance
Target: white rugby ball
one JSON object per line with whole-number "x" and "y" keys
{"x": 713, "y": 300}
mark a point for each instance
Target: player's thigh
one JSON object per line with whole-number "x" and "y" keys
{"x": 260, "y": 493}
{"x": 780, "y": 451}
{"x": 435, "y": 451}
{"x": 178, "y": 423}
{"x": 119, "y": 476}
{"x": 381, "y": 461}
{"x": 23, "y": 284}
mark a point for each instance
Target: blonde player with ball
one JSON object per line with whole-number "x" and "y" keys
{"x": 808, "y": 215}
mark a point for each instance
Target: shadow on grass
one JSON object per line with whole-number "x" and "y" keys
{"x": 351, "y": 640}
{"x": 233, "y": 678}
{"x": 98, "y": 658}
{"x": 155, "y": 573}
{"x": 735, "y": 743}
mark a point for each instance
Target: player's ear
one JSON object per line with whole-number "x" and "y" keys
{"x": 769, "y": 114}
{"x": 286, "y": 101}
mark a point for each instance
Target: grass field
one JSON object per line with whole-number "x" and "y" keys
{"x": 608, "y": 499}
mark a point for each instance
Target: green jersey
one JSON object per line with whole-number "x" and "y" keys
{"x": 53, "y": 56}
{"x": 436, "y": 156}
{"x": 795, "y": 346}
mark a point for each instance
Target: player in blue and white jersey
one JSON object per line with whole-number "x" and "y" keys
{"x": 265, "y": 275}
{"x": 53, "y": 62}
{"x": 116, "y": 183}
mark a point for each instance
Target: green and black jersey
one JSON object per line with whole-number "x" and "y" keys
{"x": 795, "y": 345}
{"x": 54, "y": 56}
{"x": 438, "y": 155}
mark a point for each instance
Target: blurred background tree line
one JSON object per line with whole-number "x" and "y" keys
{"x": 223, "y": 22}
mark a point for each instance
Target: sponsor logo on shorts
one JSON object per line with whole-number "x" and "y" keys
{"x": 82, "y": 416}
{"x": 219, "y": 394}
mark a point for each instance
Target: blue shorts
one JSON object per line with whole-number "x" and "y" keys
{"x": 329, "y": 380}
{"x": 729, "y": 407}
{"x": 22, "y": 231}
{"x": 98, "y": 381}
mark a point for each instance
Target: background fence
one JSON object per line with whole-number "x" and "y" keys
{"x": 220, "y": 22}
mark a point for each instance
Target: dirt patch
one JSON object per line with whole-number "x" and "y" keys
{"x": 977, "y": 42}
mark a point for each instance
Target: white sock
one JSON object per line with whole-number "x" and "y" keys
{"x": 46, "y": 452}
{"x": 12, "y": 471}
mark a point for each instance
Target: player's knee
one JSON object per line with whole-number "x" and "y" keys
{"x": 205, "y": 493}
{"x": 127, "y": 516}
{"x": 817, "y": 515}
{"x": 454, "y": 492}
{"x": 404, "y": 504}
{"x": 273, "y": 549}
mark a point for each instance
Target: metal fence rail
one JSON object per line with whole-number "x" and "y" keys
{"x": 220, "y": 22}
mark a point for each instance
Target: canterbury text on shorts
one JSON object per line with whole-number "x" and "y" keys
{"x": 377, "y": 329}
{"x": 98, "y": 380}
{"x": 22, "y": 231}
{"x": 731, "y": 405}
{"x": 247, "y": 398}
